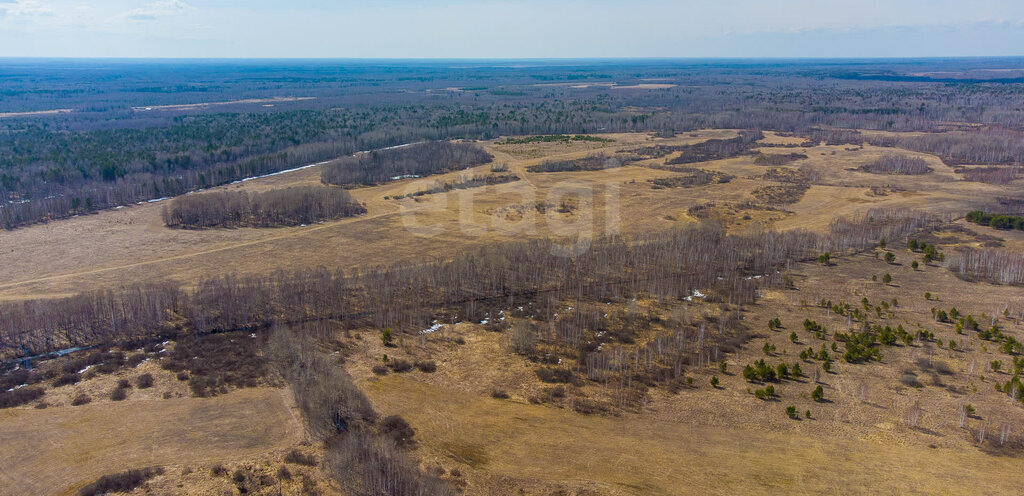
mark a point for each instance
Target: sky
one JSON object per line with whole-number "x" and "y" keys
{"x": 510, "y": 29}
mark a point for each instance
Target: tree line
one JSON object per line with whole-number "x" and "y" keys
{"x": 997, "y": 221}
{"x": 897, "y": 164}
{"x": 280, "y": 207}
{"x": 422, "y": 159}
{"x": 667, "y": 265}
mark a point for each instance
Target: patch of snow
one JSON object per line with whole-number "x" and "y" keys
{"x": 404, "y": 176}
{"x": 19, "y": 386}
{"x": 87, "y": 367}
{"x": 434, "y": 328}
{"x": 252, "y": 335}
{"x": 485, "y": 321}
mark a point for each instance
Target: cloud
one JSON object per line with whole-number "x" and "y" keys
{"x": 25, "y": 9}
{"x": 158, "y": 9}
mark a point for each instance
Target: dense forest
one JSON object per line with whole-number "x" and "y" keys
{"x": 281, "y": 207}
{"x": 418, "y": 160}
{"x": 116, "y": 145}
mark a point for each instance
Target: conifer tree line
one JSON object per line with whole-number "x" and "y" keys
{"x": 407, "y": 297}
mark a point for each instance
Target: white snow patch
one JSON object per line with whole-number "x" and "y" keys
{"x": 87, "y": 367}
{"x": 434, "y": 328}
{"x": 252, "y": 335}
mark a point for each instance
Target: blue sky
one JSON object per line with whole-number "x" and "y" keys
{"x": 507, "y": 29}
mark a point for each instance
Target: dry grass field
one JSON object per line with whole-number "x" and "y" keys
{"x": 129, "y": 245}
{"x": 689, "y": 438}
{"x": 63, "y": 447}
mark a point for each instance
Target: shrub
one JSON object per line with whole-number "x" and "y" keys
{"x": 119, "y": 394}
{"x": 400, "y": 365}
{"x": 182, "y": 376}
{"x": 144, "y": 381}
{"x": 397, "y": 429}
{"x": 81, "y": 399}
{"x": 714, "y": 381}
{"x": 20, "y": 396}
{"x": 386, "y": 338}
{"x": 380, "y": 370}
{"x": 499, "y": 394}
{"x": 120, "y": 483}
{"x": 219, "y": 470}
{"x": 890, "y": 257}
{"x": 791, "y": 412}
{"x": 557, "y": 375}
{"x": 910, "y": 380}
{"x": 66, "y": 379}
{"x": 283, "y": 473}
{"x": 298, "y": 458}
{"x": 426, "y": 366}
{"x": 124, "y": 383}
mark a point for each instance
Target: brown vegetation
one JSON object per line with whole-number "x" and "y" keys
{"x": 284, "y": 207}
{"x": 417, "y": 160}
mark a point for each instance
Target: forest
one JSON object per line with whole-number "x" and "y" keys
{"x": 111, "y": 149}
{"x": 280, "y": 207}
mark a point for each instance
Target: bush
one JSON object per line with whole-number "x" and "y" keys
{"x": 400, "y": 365}
{"x": 120, "y": 483}
{"x": 182, "y": 376}
{"x": 499, "y": 394}
{"x": 714, "y": 381}
{"x": 426, "y": 366}
{"x": 218, "y": 470}
{"x": 119, "y": 394}
{"x": 380, "y": 370}
{"x": 66, "y": 379}
{"x": 144, "y": 381}
{"x": 20, "y": 396}
{"x": 791, "y": 412}
{"x": 397, "y": 429}
{"x": 124, "y": 383}
{"x": 910, "y": 380}
{"x": 81, "y": 399}
{"x": 298, "y": 458}
{"x": 558, "y": 375}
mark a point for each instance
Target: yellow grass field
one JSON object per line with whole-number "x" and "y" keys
{"x": 58, "y": 449}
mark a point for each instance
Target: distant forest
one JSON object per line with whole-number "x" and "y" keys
{"x": 279, "y": 207}
{"x": 116, "y": 146}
